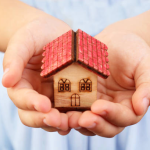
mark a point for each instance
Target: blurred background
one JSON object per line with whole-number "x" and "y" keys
{"x": 92, "y": 16}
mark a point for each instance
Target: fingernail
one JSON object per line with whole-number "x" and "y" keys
{"x": 35, "y": 107}
{"x": 44, "y": 120}
{"x": 145, "y": 103}
{"x": 91, "y": 126}
{"x": 78, "y": 128}
{"x": 5, "y": 71}
{"x": 57, "y": 127}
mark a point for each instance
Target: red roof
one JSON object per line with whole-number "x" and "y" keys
{"x": 82, "y": 48}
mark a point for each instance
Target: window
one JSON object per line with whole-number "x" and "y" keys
{"x": 85, "y": 85}
{"x": 64, "y": 85}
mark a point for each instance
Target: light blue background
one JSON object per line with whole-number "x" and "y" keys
{"x": 92, "y": 16}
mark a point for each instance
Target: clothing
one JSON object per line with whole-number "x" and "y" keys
{"x": 91, "y": 16}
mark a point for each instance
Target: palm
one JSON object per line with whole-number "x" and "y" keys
{"x": 31, "y": 93}
{"x": 115, "y": 94}
{"x": 125, "y": 55}
{"x": 32, "y": 74}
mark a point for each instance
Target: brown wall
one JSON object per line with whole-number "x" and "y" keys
{"x": 75, "y": 73}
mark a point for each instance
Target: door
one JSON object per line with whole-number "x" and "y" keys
{"x": 75, "y": 100}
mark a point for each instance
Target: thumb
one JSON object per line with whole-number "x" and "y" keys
{"x": 20, "y": 49}
{"x": 28, "y": 41}
{"x": 141, "y": 97}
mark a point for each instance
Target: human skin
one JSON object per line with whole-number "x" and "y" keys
{"x": 122, "y": 93}
{"x": 25, "y": 31}
{"x": 123, "y": 98}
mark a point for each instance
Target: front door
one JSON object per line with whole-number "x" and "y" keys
{"x": 75, "y": 100}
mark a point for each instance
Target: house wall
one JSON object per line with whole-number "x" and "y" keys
{"x": 74, "y": 73}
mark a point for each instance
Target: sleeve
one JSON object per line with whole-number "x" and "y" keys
{"x": 5, "y": 143}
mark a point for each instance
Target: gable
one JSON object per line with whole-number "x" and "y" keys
{"x": 75, "y": 73}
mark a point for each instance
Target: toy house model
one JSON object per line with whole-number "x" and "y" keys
{"x": 75, "y": 60}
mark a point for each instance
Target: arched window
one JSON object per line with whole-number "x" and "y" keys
{"x": 75, "y": 100}
{"x": 64, "y": 85}
{"x": 85, "y": 85}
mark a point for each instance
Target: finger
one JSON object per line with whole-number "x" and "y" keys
{"x": 37, "y": 119}
{"x": 73, "y": 123}
{"x": 31, "y": 79}
{"x": 20, "y": 49}
{"x": 63, "y": 132}
{"x": 63, "y": 128}
{"x": 73, "y": 119}
{"x": 64, "y": 122}
{"x": 141, "y": 96}
{"x": 27, "y": 41}
{"x": 24, "y": 97}
{"x": 50, "y": 129}
{"x": 118, "y": 114}
{"x": 98, "y": 125}
{"x": 86, "y": 132}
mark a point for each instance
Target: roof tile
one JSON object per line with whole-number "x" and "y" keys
{"x": 90, "y": 53}
{"x": 94, "y": 54}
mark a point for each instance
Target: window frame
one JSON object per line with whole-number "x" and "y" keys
{"x": 63, "y": 81}
{"x": 86, "y": 82}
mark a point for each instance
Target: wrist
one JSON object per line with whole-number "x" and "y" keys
{"x": 20, "y": 15}
{"x": 138, "y": 25}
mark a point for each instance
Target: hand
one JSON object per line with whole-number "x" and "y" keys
{"x": 32, "y": 94}
{"x": 123, "y": 98}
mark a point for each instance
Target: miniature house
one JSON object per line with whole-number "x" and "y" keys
{"x": 75, "y": 60}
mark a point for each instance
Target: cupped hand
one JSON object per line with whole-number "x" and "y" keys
{"x": 32, "y": 94}
{"x": 123, "y": 98}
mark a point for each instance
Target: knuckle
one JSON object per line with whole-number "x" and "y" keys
{"x": 38, "y": 121}
{"x": 6, "y": 64}
{"x": 95, "y": 104}
{"x": 106, "y": 134}
{"x": 29, "y": 105}
{"x": 28, "y": 102}
{"x": 23, "y": 122}
{"x": 111, "y": 136}
{"x": 22, "y": 118}
{"x": 135, "y": 120}
{"x": 50, "y": 129}
{"x": 12, "y": 95}
{"x": 86, "y": 113}
{"x": 9, "y": 91}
